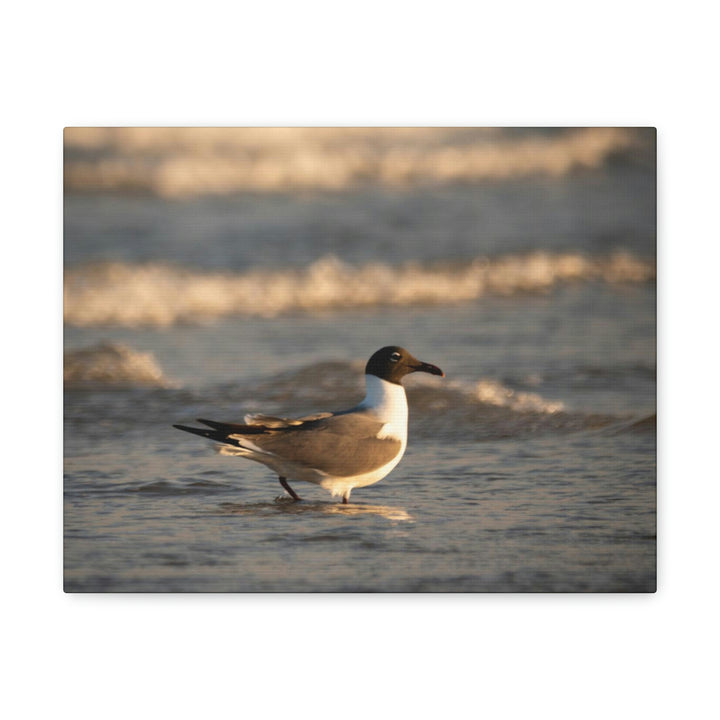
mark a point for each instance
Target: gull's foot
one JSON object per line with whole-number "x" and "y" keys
{"x": 287, "y": 499}
{"x": 288, "y": 489}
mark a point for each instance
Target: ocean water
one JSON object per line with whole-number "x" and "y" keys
{"x": 531, "y": 467}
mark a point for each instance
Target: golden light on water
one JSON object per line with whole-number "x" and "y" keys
{"x": 395, "y": 514}
{"x": 186, "y": 162}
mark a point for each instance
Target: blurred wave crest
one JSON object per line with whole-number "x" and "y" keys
{"x": 158, "y": 294}
{"x": 186, "y": 162}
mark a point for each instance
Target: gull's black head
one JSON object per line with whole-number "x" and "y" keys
{"x": 393, "y": 363}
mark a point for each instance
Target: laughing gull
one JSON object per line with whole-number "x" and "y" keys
{"x": 338, "y": 451}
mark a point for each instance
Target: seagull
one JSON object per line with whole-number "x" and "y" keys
{"x": 337, "y": 450}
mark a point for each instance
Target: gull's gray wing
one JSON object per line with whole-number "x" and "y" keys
{"x": 340, "y": 445}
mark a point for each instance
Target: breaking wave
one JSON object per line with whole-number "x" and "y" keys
{"x": 485, "y": 392}
{"x": 157, "y": 294}
{"x": 186, "y": 162}
{"x": 112, "y": 364}
{"x": 464, "y": 409}
{"x": 492, "y": 392}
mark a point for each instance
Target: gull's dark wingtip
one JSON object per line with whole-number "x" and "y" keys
{"x": 196, "y": 431}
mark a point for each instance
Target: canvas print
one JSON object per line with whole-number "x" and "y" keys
{"x": 348, "y": 360}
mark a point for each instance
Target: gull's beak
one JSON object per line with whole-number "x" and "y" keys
{"x": 428, "y": 368}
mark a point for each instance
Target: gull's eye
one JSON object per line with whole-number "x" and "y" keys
{"x": 395, "y": 357}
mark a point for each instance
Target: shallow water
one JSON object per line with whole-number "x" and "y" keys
{"x": 529, "y": 468}
{"x": 549, "y": 514}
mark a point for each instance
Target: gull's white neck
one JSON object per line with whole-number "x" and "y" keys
{"x": 388, "y": 402}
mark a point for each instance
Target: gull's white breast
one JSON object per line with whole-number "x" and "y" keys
{"x": 388, "y": 402}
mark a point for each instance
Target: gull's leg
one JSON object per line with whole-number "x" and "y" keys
{"x": 292, "y": 493}
{"x": 346, "y": 497}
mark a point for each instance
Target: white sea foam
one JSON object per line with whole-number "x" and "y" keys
{"x": 492, "y": 392}
{"x": 112, "y": 364}
{"x": 158, "y": 294}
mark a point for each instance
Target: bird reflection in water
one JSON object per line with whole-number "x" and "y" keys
{"x": 281, "y": 505}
